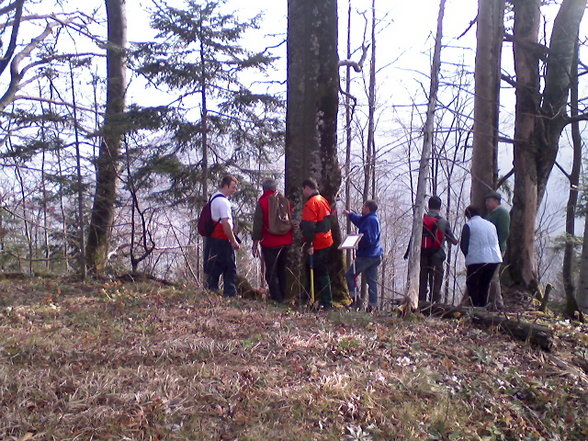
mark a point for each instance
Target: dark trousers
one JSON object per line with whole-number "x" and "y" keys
{"x": 322, "y": 281}
{"x": 431, "y": 276}
{"x": 275, "y": 259}
{"x": 219, "y": 259}
{"x": 478, "y": 280}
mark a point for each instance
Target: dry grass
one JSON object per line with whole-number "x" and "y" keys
{"x": 144, "y": 362}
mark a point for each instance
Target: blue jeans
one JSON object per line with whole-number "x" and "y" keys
{"x": 368, "y": 267}
{"x": 219, "y": 258}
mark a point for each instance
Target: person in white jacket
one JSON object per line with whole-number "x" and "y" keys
{"x": 479, "y": 244}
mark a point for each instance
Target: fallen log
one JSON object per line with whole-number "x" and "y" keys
{"x": 533, "y": 333}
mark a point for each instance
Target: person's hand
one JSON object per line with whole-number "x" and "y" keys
{"x": 346, "y": 212}
{"x": 235, "y": 245}
{"x": 255, "y": 251}
{"x": 295, "y": 226}
{"x": 310, "y": 251}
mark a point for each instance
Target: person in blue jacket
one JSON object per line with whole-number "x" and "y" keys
{"x": 369, "y": 252}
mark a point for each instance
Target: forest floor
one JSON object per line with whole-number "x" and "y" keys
{"x": 144, "y": 361}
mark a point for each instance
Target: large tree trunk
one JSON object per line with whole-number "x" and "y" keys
{"x": 311, "y": 120}
{"x": 113, "y": 132}
{"x": 487, "y": 98}
{"x": 414, "y": 264}
{"x": 538, "y": 123}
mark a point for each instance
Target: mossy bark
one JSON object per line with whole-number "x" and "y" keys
{"x": 311, "y": 122}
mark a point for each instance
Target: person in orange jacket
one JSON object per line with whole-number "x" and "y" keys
{"x": 316, "y": 231}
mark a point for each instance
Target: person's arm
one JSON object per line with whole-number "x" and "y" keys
{"x": 354, "y": 218}
{"x": 503, "y": 228}
{"x": 308, "y": 225}
{"x": 308, "y": 230}
{"x": 257, "y": 231}
{"x": 449, "y": 234}
{"x": 464, "y": 242}
{"x": 229, "y": 232}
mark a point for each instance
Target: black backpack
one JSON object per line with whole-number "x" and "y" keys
{"x": 206, "y": 224}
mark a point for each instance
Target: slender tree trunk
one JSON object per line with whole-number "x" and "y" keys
{"x": 79, "y": 182}
{"x": 27, "y": 225}
{"x": 369, "y": 186}
{"x": 311, "y": 121}
{"x": 64, "y": 230}
{"x": 44, "y": 192}
{"x": 489, "y": 35}
{"x": 574, "y": 177}
{"x": 204, "y": 121}
{"x": 370, "y": 159}
{"x": 412, "y": 289}
{"x": 113, "y": 131}
{"x": 348, "y": 116}
{"x": 44, "y": 208}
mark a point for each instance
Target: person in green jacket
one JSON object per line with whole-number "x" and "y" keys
{"x": 500, "y": 217}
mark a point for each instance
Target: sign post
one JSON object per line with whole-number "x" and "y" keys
{"x": 351, "y": 242}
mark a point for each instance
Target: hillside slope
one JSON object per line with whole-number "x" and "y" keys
{"x": 143, "y": 361}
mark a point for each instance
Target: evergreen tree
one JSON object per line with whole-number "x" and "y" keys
{"x": 198, "y": 57}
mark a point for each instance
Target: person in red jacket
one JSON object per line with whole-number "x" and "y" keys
{"x": 274, "y": 247}
{"x": 316, "y": 231}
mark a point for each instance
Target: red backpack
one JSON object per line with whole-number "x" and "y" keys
{"x": 433, "y": 237}
{"x": 206, "y": 224}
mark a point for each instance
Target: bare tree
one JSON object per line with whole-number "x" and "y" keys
{"x": 489, "y": 35}
{"x": 539, "y": 121}
{"x": 311, "y": 119}
{"x": 112, "y": 134}
{"x": 412, "y": 288}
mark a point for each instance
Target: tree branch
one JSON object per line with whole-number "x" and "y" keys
{"x": 472, "y": 22}
{"x": 18, "y": 5}
{"x": 357, "y": 66}
{"x": 502, "y": 180}
{"x": 16, "y": 75}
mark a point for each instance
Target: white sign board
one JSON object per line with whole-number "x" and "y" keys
{"x": 351, "y": 242}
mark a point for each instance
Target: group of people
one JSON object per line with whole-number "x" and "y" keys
{"x": 483, "y": 242}
{"x": 315, "y": 225}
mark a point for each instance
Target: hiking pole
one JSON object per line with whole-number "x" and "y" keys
{"x": 311, "y": 265}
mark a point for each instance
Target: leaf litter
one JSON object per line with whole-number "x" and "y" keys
{"x": 143, "y": 361}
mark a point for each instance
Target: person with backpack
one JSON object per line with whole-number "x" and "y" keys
{"x": 272, "y": 229}
{"x": 369, "y": 252}
{"x": 480, "y": 246}
{"x": 316, "y": 232}
{"x": 436, "y": 230}
{"x": 221, "y": 243}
